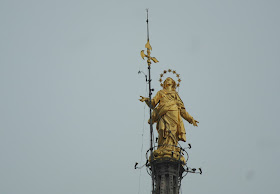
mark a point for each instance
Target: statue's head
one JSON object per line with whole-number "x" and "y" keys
{"x": 169, "y": 81}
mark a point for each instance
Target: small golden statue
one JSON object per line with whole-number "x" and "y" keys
{"x": 168, "y": 111}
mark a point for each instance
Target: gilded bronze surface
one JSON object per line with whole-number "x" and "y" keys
{"x": 168, "y": 114}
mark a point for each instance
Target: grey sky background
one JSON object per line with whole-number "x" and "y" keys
{"x": 71, "y": 122}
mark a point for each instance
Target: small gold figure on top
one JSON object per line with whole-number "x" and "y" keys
{"x": 148, "y": 56}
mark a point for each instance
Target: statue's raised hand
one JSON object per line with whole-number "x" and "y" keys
{"x": 194, "y": 122}
{"x": 143, "y": 99}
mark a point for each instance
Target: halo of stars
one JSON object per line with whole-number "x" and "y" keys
{"x": 169, "y": 71}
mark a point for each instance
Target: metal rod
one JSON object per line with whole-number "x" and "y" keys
{"x": 150, "y": 103}
{"x": 151, "y": 128}
{"x": 147, "y": 23}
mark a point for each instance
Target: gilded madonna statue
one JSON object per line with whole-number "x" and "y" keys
{"x": 168, "y": 111}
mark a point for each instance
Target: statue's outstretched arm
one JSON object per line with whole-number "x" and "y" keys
{"x": 188, "y": 117}
{"x": 185, "y": 114}
{"x": 155, "y": 100}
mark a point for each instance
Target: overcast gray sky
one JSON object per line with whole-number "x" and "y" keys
{"x": 71, "y": 122}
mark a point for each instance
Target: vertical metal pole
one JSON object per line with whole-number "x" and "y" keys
{"x": 151, "y": 128}
{"x": 150, "y": 103}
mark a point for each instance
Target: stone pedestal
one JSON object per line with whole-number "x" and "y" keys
{"x": 167, "y": 175}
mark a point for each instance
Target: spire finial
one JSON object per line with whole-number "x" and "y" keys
{"x": 148, "y": 46}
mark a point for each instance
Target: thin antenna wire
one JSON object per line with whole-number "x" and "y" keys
{"x": 143, "y": 129}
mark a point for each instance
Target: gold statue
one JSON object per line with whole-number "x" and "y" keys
{"x": 168, "y": 111}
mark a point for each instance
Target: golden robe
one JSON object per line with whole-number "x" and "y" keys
{"x": 168, "y": 111}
